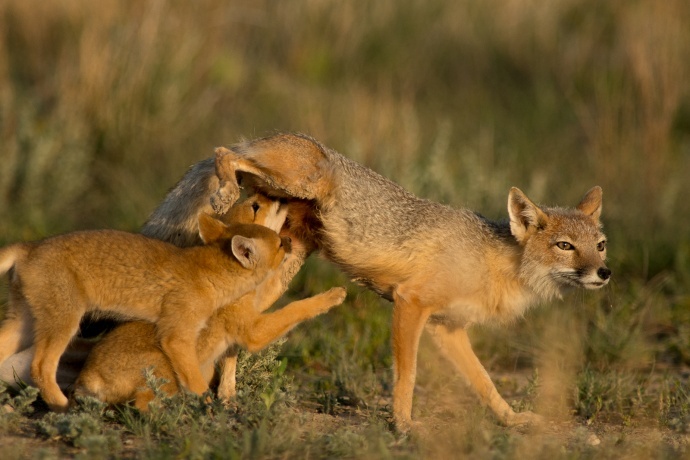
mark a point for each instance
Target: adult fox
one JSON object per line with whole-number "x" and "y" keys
{"x": 443, "y": 268}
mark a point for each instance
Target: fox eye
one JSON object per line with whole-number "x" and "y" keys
{"x": 255, "y": 207}
{"x": 565, "y": 246}
{"x": 601, "y": 246}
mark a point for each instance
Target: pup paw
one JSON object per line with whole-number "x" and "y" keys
{"x": 336, "y": 295}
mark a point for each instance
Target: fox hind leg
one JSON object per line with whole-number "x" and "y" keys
{"x": 16, "y": 330}
{"x": 49, "y": 347}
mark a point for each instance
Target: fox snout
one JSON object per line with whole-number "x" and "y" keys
{"x": 604, "y": 273}
{"x": 594, "y": 278}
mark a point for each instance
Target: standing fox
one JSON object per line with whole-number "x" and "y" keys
{"x": 53, "y": 283}
{"x": 443, "y": 268}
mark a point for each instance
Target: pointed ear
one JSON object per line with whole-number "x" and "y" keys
{"x": 245, "y": 250}
{"x": 525, "y": 216}
{"x": 591, "y": 203}
{"x": 210, "y": 228}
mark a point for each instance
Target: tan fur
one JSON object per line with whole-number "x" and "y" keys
{"x": 442, "y": 267}
{"x": 53, "y": 283}
{"x": 114, "y": 370}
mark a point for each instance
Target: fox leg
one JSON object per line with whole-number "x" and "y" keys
{"x": 268, "y": 327}
{"x": 227, "y": 384}
{"x": 15, "y": 332}
{"x": 408, "y": 322}
{"x": 455, "y": 345}
{"x": 288, "y": 164}
{"x": 179, "y": 345}
{"x": 49, "y": 346}
{"x": 144, "y": 395}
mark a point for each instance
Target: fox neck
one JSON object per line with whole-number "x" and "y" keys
{"x": 517, "y": 281}
{"x": 228, "y": 279}
{"x": 536, "y": 278}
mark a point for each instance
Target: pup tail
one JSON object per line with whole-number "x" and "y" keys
{"x": 10, "y": 255}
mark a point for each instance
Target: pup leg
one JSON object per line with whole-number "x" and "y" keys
{"x": 49, "y": 347}
{"x": 179, "y": 345}
{"x": 408, "y": 323}
{"x": 16, "y": 331}
{"x": 227, "y": 385}
{"x": 455, "y": 345}
{"x": 17, "y": 368}
{"x": 144, "y": 395}
{"x": 269, "y": 327}
{"x": 142, "y": 398}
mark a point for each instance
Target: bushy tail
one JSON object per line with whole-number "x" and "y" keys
{"x": 9, "y": 255}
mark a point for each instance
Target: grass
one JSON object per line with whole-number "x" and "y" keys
{"x": 103, "y": 106}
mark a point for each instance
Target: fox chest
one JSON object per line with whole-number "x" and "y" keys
{"x": 483, "y": 307}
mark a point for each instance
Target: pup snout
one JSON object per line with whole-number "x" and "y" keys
{"x": 604, "y": 273}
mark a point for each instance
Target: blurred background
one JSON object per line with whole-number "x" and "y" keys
{"x": 103, "y": 106}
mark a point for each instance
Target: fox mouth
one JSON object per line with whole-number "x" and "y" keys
{"x": 575, "y": 279}
{"x": 595, "y": 284}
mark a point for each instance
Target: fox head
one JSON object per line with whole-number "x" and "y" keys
{"x": 562, "y": 247}
{"x": 292, "y": 218}
{"x": 253, "y": 246}
{"x": 258, "y": 209}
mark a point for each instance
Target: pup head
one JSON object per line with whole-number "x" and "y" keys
{"x": 258, "y": 209}
{"x": 253, "y": 246}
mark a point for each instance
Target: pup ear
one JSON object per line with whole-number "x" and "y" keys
{"x": 525, "y": 216}
{"x": 210, "y": 228}
{"x": 591, "y": 203}
{"x": 245, "y": 250}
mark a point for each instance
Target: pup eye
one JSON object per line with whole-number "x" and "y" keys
{"x": 565, "y": 246}
{"x": 601, "y": 246}
{"x": 255, "y": 207}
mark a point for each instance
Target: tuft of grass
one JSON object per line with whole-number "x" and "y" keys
{"x": 616, "y": 394}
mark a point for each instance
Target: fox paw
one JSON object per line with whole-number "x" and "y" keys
{"x": 517, "y": 419}
{"x": 336, "y": 295}
{"x": 225, "y": 197}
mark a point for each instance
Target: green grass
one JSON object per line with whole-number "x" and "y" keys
{"x": 103, "y": 105}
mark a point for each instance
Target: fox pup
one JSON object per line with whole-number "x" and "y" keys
{"x": 54, "y": 282}
{"x": 113, "y": 371}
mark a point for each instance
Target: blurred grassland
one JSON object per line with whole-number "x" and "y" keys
{"x": 103, "y": 105}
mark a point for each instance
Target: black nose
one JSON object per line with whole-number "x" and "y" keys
{"x": 604, "y": 273}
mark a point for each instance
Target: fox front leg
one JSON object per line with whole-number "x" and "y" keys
{"x": 408, "y": 324}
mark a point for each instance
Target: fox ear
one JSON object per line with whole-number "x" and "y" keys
{"x": 210, "y": 228}
{"x": 245, "y": 250}
{"x": 525, "y": 216}
{"x": 591, "y": 203}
